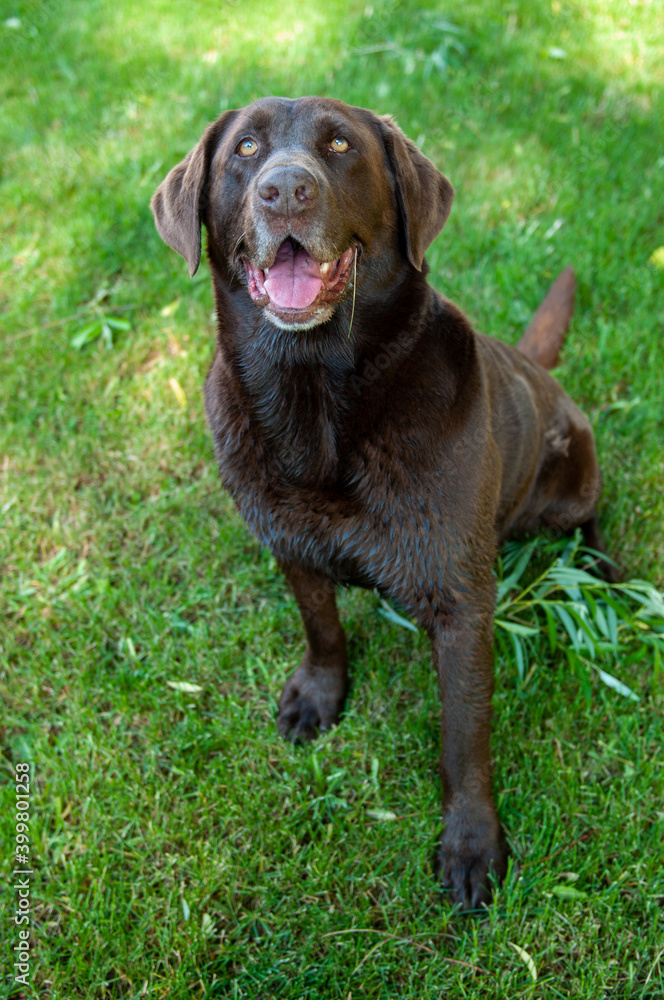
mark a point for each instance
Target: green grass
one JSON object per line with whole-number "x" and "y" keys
{"x": 181, "y": 849}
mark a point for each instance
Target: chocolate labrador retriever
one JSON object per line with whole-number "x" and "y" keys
{"x": 366, "y": 432}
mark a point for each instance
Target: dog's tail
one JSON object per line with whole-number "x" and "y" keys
{"x": 545, "y": 334}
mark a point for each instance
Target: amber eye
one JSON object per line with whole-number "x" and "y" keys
{"x": 248, "y": 147}
{"x": 340, "y": 145}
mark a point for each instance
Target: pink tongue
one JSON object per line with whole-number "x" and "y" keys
{"x": 293, "y": 281}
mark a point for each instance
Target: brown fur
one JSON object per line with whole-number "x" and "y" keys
{"x": 395, "y": 454}
{"x": 544, "y": 336}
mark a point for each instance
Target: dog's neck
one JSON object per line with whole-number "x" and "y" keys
{"x": 307, "y": 391}
{"x": 297, "y": 386}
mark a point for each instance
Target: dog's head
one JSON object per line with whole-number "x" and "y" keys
{"x": 297, "y": 197}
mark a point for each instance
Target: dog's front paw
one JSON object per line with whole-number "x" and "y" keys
{"x": 472, "y": 854}
{"x": 311, "y": 701}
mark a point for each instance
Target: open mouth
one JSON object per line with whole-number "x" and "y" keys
{"x": 297, "y": 287}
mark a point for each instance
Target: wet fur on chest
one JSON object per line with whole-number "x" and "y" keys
{"x": 299, "y": 396}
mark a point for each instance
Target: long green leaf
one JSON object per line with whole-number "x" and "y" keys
{"x": 388, "y": 612}
{"x": 551, "y": 628}
{"x": 518, "y": 652}
{"x": 516, "y": 627}
{"x": 617, "y": 685}
{"x": 568, "y": 624}
{"x": 86, "y": 335}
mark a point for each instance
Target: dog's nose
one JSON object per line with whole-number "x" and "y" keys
{"x": 288, "y": 189}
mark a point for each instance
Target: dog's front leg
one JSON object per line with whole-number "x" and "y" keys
{"x": 313, "y": 697}
{"x": 472, "y": 843}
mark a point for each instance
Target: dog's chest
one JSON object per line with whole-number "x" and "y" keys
{"x": 380, "y": 523}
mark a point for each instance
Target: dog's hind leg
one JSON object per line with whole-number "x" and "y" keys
{"x": 593, "y": 539}
{"x": 313, "y": 697}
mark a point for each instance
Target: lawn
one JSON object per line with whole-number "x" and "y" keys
{"x": 179, "y": 848}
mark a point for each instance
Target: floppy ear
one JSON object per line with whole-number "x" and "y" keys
{"x": 179, "y": 201}
{"x": 424, "y": 195}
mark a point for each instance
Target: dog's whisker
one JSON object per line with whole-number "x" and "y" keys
{"x": 352, "y": 312}
{"x": 237, "y": 243}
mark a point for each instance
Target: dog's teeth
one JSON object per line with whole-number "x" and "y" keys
{"x": 327, "y": 269}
